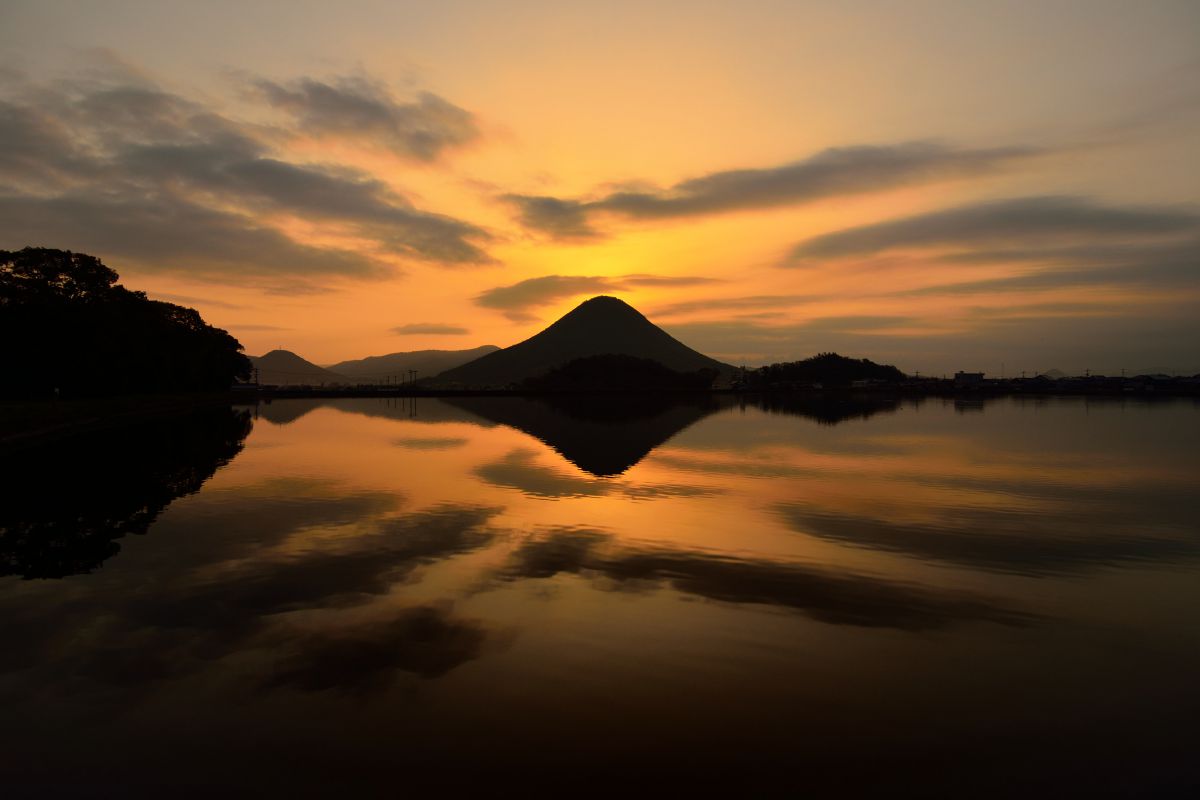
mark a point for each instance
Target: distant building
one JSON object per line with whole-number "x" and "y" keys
{"x": 968, "y": 378}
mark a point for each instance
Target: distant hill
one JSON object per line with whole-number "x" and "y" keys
{"x": 827, "y": 369}
{"x": 600, "y": 326}
{"x": 427, "y": 363}
{"x": 285, "y": 368}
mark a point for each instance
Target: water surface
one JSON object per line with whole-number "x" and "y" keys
{"x": 838, "y": 593}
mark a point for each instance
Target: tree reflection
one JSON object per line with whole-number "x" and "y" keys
{"x": 67, "y": 503}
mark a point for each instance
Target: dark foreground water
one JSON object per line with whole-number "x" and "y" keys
{"x": 382, "y": 597}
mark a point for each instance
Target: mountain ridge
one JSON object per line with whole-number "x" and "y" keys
{"x": 602, "y": 325}
{"x": 426, "y": 363}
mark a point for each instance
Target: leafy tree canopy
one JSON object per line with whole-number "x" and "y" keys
{"x": 70, "y": 329}
{"x": 828, "y": 369}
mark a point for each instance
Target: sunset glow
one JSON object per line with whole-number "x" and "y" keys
{"x": 936, "y": 185}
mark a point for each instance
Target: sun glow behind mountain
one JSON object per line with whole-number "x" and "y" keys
{"x": 931, "y": 186}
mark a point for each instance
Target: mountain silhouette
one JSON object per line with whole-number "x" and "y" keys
{"x": 599, "y": 326}
{"x": 426, "y": 363}
{"x": 285, "y": 368}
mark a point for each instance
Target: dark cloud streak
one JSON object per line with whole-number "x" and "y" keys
{"x": 364, "y": 109}
{"x": 115, "y": 165}
{"x": 1024, "y": 219}
{"x": 515, "y": 300}
{"x": 431, "y": 328}
{"x": 833, "y": 172}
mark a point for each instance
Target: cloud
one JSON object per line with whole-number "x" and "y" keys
{"x": 733, "y": 304}
{"x": 1152, "y": 265}
{"x": 359, "y": 108}
{"x": 516, "y": 300}
{"x": 675, "y": 281}
{"x": 170, "y": 234}
{"x": 429, "y": 328}
{"x": 750, "y": 341}
{"x": 1061, "y": 220}
{"x": 115, "y": 165}
{"x": 243, "y": 326}
{"x": 1104, "y": 336}
{"x": 830, "y": 173}
{"x": 561, "y": 219}
{"x": 190, "y": 300}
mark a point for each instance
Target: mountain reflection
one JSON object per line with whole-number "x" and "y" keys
{"x": 519, "y": 470}
{"x": 603, "y": 435}
{"x": 66, "y": 503}
{"x": 391, "y": 587}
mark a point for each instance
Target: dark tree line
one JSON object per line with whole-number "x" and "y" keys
{"x": 69, "y": 328}
{"x": 828, "y": 369}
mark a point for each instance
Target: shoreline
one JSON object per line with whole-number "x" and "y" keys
{"x": 988, "y": 390}
{"x": 31, "y": 423}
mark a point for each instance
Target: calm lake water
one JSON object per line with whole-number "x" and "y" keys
{"x": 374, "y": 595}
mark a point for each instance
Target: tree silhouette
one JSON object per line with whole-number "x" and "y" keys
{"x": 76, "y": 331}
{"x": 828, "y": 369}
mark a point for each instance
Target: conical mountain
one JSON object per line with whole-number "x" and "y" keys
{"x": 285, "y": 368}
{"x": 600, "y": 326}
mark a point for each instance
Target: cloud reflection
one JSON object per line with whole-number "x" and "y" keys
{"x": 244, "y": 565}
{"x": 1034, "y": 544}
{"x": 834, "y": 597}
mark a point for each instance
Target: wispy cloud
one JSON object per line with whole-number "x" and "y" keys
{"x": 721, "y": 304}
{"x": 1043, "y": 220}
{"x": 516, "y": 300}
{"x": 830, "y": 173}
{"x": 242, "y": 326}
{"x": 365, "y": 109}
{"x": 189, "y": 300}
{"x": 117, "y": 165}
{"x": 414, "y": 328}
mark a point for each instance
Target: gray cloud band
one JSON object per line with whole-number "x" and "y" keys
{"x": 829, "y": 173}
{"x": 118, "y": 166}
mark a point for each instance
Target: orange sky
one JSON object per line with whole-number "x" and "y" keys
{"x": 938, "y": 185}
